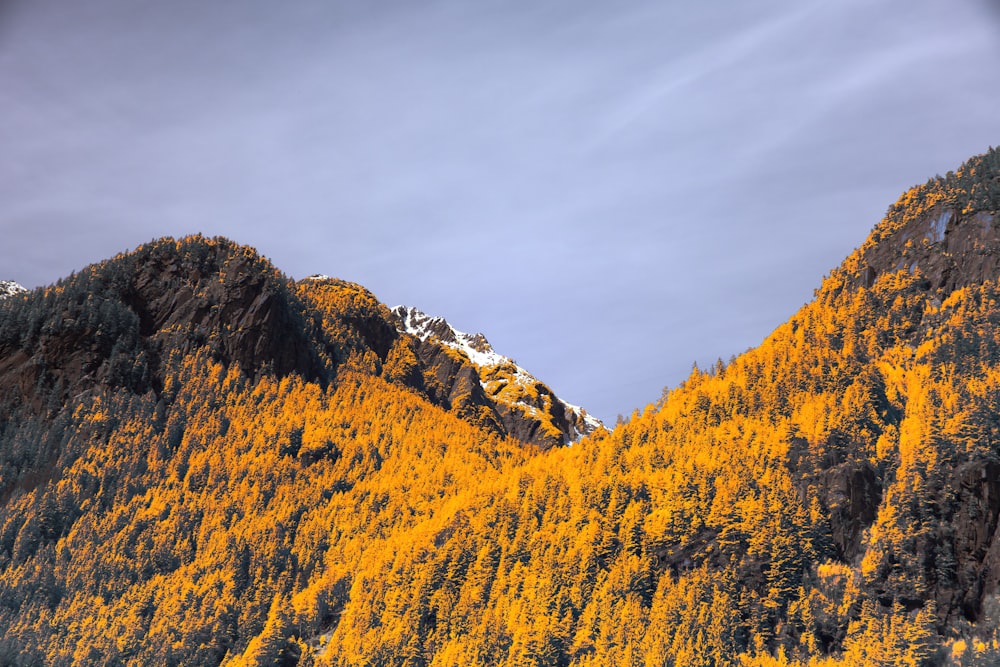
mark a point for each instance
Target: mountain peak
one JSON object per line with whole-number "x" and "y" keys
{"x": 424, "y": 327}
{"x": 10, "y": 288}
{"x": 515, "y": 391}
{"x": 831, "y": 496}
{"x": 117, "y": 323}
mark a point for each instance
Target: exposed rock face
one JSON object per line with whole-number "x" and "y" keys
{"x": 117, "y": 323}
{"x": 948, "y": 248}
{"x": 452, "y": 381}
{"x": 852, "y": 493}
{"x": 457, "y": 371}
{"x": 231, "y": 300}
{"x": 957, "y": 553}
{"x": 976, "y": 487}
{"x": 523, "y": 406}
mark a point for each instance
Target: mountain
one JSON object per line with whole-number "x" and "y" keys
{"x": 175, "y": 422}
{"x": 527, "y": 408}
{"x": 453, "y": 370}
{"x": 10, "y": 288}
{"x": 119, "y": 323}
{"x": 203, "y": 462}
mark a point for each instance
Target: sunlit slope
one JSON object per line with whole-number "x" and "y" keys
{"x": 833, "y": 492}
{"x": 178, "y": 490}
{"x": 500, "y": 397}
{"x": 523, "y": 405}
{"x": 242, "y": 510}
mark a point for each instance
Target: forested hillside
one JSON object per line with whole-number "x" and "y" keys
{"x": 204, "y": 463}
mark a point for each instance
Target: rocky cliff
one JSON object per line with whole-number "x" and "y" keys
{"x": 928, "y": 276}
{"x": 119, "y": 323}
{"x": 466, "y": 365}
{"x": 831, "y": 496}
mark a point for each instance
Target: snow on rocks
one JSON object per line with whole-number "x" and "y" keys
{"x": 501, "y": 369}
{"x": 10, "y": 288}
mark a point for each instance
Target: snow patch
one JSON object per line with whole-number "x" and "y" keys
{"x": 10, "y": 288}
{"x": 985, "y": 220}
{"x": 591, "y": 424}
{"x": 474, "y": 346}
{"x": 481, "y": 353}
{"x": 938, "y": 226}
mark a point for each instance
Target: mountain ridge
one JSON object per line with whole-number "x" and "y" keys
{"x": 448, "y": 374}
{"x": 172, "y": 296}
{"x": 174, "y": 490}
{"x": 510, "y": 385}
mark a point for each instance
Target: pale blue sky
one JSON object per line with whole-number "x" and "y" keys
{"x": 609, "y": 191}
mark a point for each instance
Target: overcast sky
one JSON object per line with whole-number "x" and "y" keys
{"x": 609, "y": 191}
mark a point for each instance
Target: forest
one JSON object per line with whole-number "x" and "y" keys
{"x": 203, "y": 462}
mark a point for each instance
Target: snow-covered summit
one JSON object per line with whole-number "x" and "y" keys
{"x": 500, "y": 376}
{"x": 10, "y": 288}
{"x": 475, "y": 346}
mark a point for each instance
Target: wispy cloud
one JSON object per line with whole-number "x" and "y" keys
{"x": 632, "y": 186}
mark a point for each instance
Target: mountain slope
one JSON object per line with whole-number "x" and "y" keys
{"x": 527, "y": 408}
{"x": 181, "y": 428}
{"x": 204, "y": 463}
{"x": 832, "y": 492}
{"x": 367, "y": 336}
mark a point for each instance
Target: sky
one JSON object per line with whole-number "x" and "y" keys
{"x": 610, "y": 192}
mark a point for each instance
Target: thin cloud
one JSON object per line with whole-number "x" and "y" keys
{"x": 619, "y": 190}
